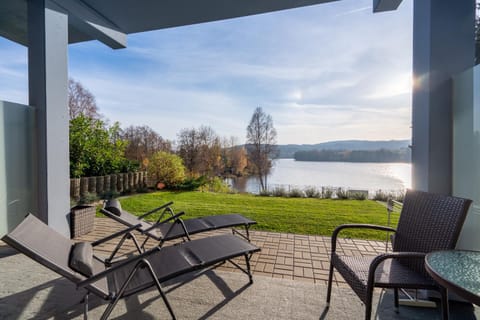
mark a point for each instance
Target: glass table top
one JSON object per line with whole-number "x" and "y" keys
{"x": 457, "y": 270}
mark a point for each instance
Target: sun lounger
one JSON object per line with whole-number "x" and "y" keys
{"x": 170, "y": 226}
{"x": 111, "y": 282}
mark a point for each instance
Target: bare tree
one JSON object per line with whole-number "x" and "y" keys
{"x": 209, "y": 156}
{"x": 234, "y": 156}
{"x": 200, "y": 150}
{"x": 81, "y": 101}
{"x": 187, "y": 140}
{"x": 143, "y": 142}
{"x": 261, "y": 145}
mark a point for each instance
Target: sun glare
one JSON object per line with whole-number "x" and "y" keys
{"x": 296, "y": 95}
{"x": 402, "y": 84}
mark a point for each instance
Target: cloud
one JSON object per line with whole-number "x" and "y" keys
{"x": 13, "y": 68}
{"x": 330, "y": 71}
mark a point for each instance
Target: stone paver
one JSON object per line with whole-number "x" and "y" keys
{"x": 30, "y": 291}
{"x": 283, "y": 255}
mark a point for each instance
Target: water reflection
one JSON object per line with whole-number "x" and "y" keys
{"x": 301, "y": 174}
{"x": 245, "y": 184}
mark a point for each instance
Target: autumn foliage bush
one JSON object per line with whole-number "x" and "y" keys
{"x": 166, "y": 168}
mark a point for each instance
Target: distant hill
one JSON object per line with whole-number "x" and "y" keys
{"x": 288, "y": 150}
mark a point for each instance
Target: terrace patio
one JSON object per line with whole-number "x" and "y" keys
{"x": 441, "y": 165}
{"x": 290, "y": 276}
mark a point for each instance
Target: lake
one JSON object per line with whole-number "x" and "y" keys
{"x": 350, "y": 175}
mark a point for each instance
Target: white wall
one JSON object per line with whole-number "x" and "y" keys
{"x": 466, "y": 151}
{"x": 17, "y": 176}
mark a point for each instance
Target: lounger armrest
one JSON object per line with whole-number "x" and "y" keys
{"x": 116, "y": 234}
{"x": 115, "y": 267}
{"x": 357, "y": 226}
{"x": 182, "y": 224}
{"x": 163, "y": 206}
{"x": 175, "y": 217}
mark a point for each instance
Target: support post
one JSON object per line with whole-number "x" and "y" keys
{"x": 443, "y": 46}
{"x": 48, "y": 94}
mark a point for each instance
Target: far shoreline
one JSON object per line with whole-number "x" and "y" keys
{"x": 347, "y": 161}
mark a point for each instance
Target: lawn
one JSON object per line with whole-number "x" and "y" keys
{"x": 291, "y": 215}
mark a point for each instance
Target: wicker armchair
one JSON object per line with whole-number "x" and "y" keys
{"x": 428, "y": 222}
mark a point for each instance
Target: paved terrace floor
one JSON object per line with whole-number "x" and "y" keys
{"x": 283, "y": 255}
{"x": 289, "y": 283}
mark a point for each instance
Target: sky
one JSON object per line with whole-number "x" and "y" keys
{"x": 333, "y": 71}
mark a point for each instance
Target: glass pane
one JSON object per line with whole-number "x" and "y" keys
{"x": 17, "y": 176}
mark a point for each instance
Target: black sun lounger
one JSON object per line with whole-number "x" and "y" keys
{"x": 111, "y": 282}
{"x": 169, "y": 226}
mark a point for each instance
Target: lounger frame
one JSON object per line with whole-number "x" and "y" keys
{"x": 23, "y": 238}
{"x": 166, "y": 217}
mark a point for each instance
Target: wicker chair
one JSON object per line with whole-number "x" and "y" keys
{"x": 428, "y": 222}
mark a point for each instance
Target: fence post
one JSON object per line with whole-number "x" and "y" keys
{"x": 130, "y": 181}
{"x": 120, "y": 182}
{"x": 143, "y": 182}
{"x": 92, "y": 185}
{"x": 100, "y": 186}
{"x": 83, "y": 186}
{"x": 106, "y": 183}
{"x": 113, "y": 183}
{"x": 75, "y": 188}
{"x": 135, "y": 180}
{"x": 125, "y": 182}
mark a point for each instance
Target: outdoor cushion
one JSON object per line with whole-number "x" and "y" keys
{"x": 114, "y": 207}
{"x": 81, "y": 258}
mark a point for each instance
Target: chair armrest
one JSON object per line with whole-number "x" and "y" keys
{"x": 116, "y": 266}
{"x": 116, "y": 234}
{"x": 393, "y": 255}
{"x": 163, "y": 206}
{"x": 357, "y": 226}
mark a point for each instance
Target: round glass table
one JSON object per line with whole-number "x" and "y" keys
{"x": 456, "y": 270}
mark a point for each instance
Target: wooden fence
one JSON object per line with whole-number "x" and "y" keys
{"x": 113, "y": 183}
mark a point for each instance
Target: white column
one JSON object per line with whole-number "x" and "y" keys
{"x": 48, "y": 93}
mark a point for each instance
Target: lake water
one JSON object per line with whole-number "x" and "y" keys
{"x": 350, "y": 175}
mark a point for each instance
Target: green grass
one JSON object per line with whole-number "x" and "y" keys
{"x": 291, "y": 215}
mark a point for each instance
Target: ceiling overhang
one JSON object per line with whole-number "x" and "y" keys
{"x": 385, "y": 5}
{"x": 110, "y": 21}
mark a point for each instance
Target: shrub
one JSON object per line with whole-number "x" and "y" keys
{"x": 358, "y": 196}
{"x": 399, "y": 196}
{"x": 279, "y": 192}
{"x": 217, "y": 185}
{"x": 342, "y": 194}
{"x": 167, "y": 168}
{"x": 95, "y": 149}
{"x": 110, "y": 195}
{"x": 327, "y": 192}
{"x": 380, "y": 196}
{"x": 191, "y": 184}
{"x": 265, "y": 193}
{"x": 312, "y": 192}
{"x": 384, "y": 196}
{"x": 142, "y": 189}
{"x": 88, "y": 198}
{"x": 296, "y": 193}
